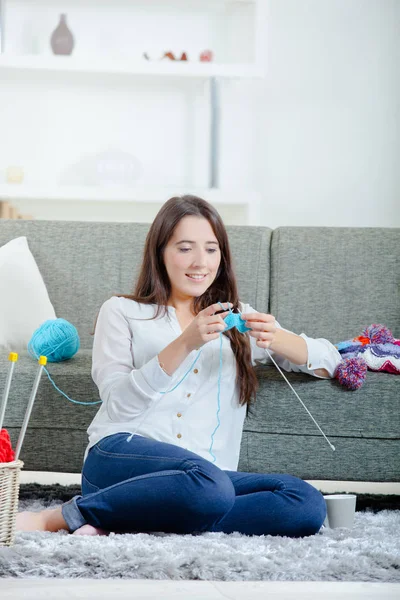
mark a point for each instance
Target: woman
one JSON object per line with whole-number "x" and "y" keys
{"x": 168, "y": 461}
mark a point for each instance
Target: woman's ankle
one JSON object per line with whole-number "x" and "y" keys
{"x": 54, "y": 520}
{"x": 44, "y": 520}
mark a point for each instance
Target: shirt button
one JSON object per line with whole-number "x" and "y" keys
{"x": 309, "y": 365}
{"x": 179, "y": 415}
{"x": 188, "y": 395}
{"x": 179, "y": 435}
{"x": 195, "y": 371}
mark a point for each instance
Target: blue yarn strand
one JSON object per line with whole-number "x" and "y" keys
{"x": 218, "y": 396}
{"x": 185, "y": 375}
{"x": 56, "y": 387}
{"x": 219, "y": 385}
{"x": 65, "y": 395}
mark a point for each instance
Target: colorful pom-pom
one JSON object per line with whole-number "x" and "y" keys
{"x": 378, "y": 334}
{"x": 6, "y": 451}
{"x": 352, "y": 372}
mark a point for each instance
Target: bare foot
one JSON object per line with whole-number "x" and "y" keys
{"x": 45, "y": 520}
{"x": 90, "y": 530}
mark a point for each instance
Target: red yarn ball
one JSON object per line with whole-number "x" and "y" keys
{"x": 351, "y": 372}
{"x": 378, "y": 334}
{"x": 6, "y": 451}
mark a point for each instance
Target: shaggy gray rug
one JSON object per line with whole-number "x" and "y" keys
{"x": 368, "y": 552}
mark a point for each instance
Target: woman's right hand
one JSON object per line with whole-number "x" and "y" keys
{"x": 206, "y": 326}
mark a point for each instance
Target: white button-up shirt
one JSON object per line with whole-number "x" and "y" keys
{"x": 127, "y": 372}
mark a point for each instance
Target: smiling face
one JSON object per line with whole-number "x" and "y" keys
{"x": 191, "y": 257}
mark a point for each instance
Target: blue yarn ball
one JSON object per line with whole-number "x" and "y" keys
{"x": 57, "y": 339}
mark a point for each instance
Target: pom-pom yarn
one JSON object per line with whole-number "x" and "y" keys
{"x": 351, "y": 372}
{"x": 378, "y": 334}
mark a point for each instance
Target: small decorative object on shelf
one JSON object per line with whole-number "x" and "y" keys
{"x": 62, "y": 40}
{"x": 14, "y": 175}
{"x": 169, "y": 55}
{"x": 8, "y": 211}
{"x": 116, "y": 167}
{"x": 206, "y": 56}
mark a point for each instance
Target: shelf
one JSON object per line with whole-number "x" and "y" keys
{"x": 140, "y": 193}
{"x": 165, "y": 67}
{"x": 110, "y": 41}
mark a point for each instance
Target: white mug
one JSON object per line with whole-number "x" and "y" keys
{"x": 340, "y": 510}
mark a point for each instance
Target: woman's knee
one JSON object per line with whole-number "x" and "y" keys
{"x": 311, "y": 511}
{"x": 214, "y": 494}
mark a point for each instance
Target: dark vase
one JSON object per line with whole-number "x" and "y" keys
{"x": 62, "y": 40}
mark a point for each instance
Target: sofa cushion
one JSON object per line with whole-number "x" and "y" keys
{"x": 82, "y": 264}
{"x": 72, "y": 377}
{"x": 332, "y": 282}
{"x": 363, "y": 425}
{"x": 355, "y": 459}
{"x": 373, "y": 411}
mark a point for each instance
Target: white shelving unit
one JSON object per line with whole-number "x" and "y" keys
{"x": 164, "y": 68}
{"x": 244, "y": 204}
{"x": 25, "y": 59}
{"x": 117, "y": 193}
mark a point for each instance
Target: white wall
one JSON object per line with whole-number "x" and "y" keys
{"x": 330, "y": 114}
{"x": 319, "y": 137}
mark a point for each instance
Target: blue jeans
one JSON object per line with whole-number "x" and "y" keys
{"x": 150, "y": 486}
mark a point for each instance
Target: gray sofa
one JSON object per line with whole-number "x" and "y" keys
{"x": 326, "y": 282}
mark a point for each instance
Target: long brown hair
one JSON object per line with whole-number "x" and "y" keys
{"x": 153, "y": 285}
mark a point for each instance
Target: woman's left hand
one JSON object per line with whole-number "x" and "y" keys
{"x": 263, "y": 328}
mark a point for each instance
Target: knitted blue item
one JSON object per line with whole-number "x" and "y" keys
{"x": 235, "y": 320}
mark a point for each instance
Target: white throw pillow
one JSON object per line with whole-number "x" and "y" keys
{"x": 24, "y": 301}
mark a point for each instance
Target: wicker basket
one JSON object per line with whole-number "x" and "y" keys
{"x": 9, "y": 493}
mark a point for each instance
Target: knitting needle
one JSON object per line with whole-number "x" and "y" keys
{"x": 298, "y": 397}
{"x": 12, "y": 357}
{"x": 42, "y": 362}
